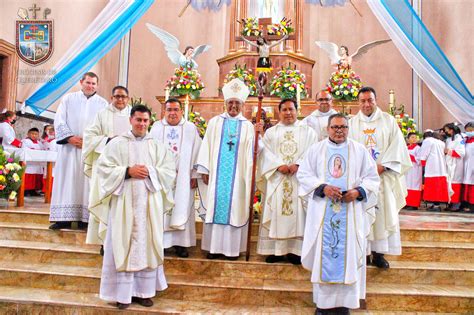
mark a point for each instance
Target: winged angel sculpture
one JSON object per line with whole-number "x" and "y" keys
{"x": 172, "y": 48}
{"x": 340, "y": 57}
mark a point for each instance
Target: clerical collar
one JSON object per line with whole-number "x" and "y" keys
{"x": 319, "y": 113}
{"x": 336, "y": 144}
{"x": 122, "y": 111}
{"x": 164, "y": 122}
{"x": 89, "y": 96}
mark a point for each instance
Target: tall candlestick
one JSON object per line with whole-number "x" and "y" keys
{"x": 298, "y": 98}
{"x": 186, "y": 107}
{"x": 391, "y": 100}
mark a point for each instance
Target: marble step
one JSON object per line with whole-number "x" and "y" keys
{"x": 16, "y": 300}
{"x": 255, "y": 292}
{"x": 39, "y": 214}
{"x": 15, "y": 253}
{"x": 411, "y": 250}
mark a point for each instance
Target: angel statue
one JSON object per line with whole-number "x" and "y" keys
{"x": 263, "y": 47}
{"x": 172, "y": 48}
{"x": 340, "y": 57}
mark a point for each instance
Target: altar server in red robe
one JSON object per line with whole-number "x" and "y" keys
{"x": 414, "y": 175}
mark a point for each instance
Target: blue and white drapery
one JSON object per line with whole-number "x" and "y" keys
{"x": 113, "y": 22}
{"x": 420, "y": 50}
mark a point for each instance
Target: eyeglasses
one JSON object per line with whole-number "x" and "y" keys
{"x": 323, "y": 99}
{"x": 120, "y": 96}
{"x": 339, "y": 127}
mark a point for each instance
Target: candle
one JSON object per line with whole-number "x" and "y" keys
{"x": 298, "y": 98}
{"x": 391, "y": 101}
{"x": 186, "y": 107}
{"x": 167, "y": 93}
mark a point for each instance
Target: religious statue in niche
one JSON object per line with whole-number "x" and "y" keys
{"x": 186, "y": 59}
{"x": 344, "y": 84}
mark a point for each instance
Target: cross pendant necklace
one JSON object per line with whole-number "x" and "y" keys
{"x": 230, "y": 143}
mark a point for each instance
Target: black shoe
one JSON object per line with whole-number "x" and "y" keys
{"x": 82, "y": 225}
{"x": 273, "y": 259}
{"x": 379, "y": 261}
{"x": 60, "y": 225}
{"x": 101, "y": 250}
{"x": 122, "y": 306}
{"x": 181, "y": 251}
{"x": 332, "y": 311}
{"x": 410, "y": 208}
{"x": 231, "y": 257}
{"x": 369, "y": 260}
{"x": 213, "y": 256}
{"x": 294, "y": 259}
{"x": 143, "y": 302}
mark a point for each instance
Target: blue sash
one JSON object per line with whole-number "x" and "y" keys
{"x": 226, "y": 167}
{"x": 333, "y": 258}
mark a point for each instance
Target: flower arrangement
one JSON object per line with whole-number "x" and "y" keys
{"x": 185, "y": 80}
{"x": 404, "y": 121}
{"x": 344, "y": 85}
{"x": 139, "y": 101}
{"x": 10, "y": 175}
{"x": 198, "y": 121}
{"x": 281, "y": 29}
{"x": 250, "y": 27}
{"x": 257, "y": 204}
{"x": 285, "y": 83}
{"x": 245, "y": 75}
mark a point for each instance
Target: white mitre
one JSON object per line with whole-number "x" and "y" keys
{"x": 236, "y": 89}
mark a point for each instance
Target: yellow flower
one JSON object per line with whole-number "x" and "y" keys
{"x": 1, "y": 167}
{"x": 12, "y": 195}
{"x": 2, "y": 179}
{"x": 16, "y": 178}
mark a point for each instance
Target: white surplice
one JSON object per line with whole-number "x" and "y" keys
{"x": 7, "y": 133}
{"x": 381, "y": 135}
{"x": 319, "y": 122}
{"x": 108, "y": 123}
{"x": 455, "y": 163}
{"x": 229, "y": 238}
{"x": 184, "y": 142}
{"x": 361, "y": 172}
{"x": 33, "y": 167}
{"x": 133, "y": 258}
{"x": 284, "y": 212}
{"x": 414, "y": 175}
{"x": 469, "y": 162}
{"x": 71, "y": 188}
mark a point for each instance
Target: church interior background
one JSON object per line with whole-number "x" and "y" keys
{"x": 49, "y": 271}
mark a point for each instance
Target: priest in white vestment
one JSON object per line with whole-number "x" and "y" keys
{"x": 380, "y": 134}
{"x": 70, "y": 196}
{"x": 182, "y": 139}
{"x": 318, "y": 120}
{"x": 340, "y": 180}
{"x": 136, "y": 176}
{"x": 110, "y": 122}
{"x": 225, "y": 162}
{"x": 284, "y": 212}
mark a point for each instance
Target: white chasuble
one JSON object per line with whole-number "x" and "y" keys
{"x": 133, "y": 255}
{"x": 184, "y": 142}
{"x": 319, "y": 122}
{"x": 382, "y": 137}
{"x": 108, "y": 123}
{"x": 226, "y": 155}
{"x": 284, "y": 212}
{"x": 71, "y": 188}
{"x": 335, "y": 238}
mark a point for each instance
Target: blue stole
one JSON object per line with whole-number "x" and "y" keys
{"x": 226, "y": 167}
{"x": 333, "y": 258}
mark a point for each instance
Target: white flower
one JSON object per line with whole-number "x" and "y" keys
{"x": 17, "y": 166}
{"x": 15, "y": 177}
{"x": 10, "y": 166}
{"x": 12, "y": 195}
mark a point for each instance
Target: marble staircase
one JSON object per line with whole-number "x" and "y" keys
{"x": 44, "y": 271}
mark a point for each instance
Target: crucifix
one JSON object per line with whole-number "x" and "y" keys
{"x": 34, "y": 9}
{"x": 230, "y": 144}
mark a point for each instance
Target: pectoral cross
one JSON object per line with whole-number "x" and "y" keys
{"x": 34, "y": 9}
{"x": 230, "y": 144}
